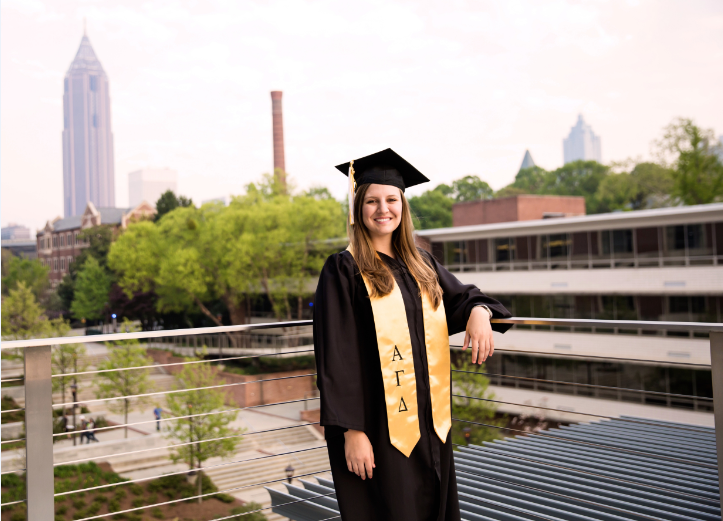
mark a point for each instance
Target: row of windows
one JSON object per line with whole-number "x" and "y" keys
{"x": 683, "y": 245}
{"x": 57, "y": 264}
{"x": 695, "y": 308}
{"x": 60, "y": 240}
{"x": 693, "y": 384}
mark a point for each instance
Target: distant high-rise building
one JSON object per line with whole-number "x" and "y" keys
{"x": 148, "y": 185}
{"x": 88, "y": 172}
{"x": 278, "y": 124}
{"x": 582, "y": 143}
{"x": 527, "y": 161}
{"x": 14, "y": 232}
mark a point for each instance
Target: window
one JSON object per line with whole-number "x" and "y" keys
{"x": 70, "y": 240}
{"x": 77, "y": 242}
{"x": 70, "y": 259}
{"x": 62, "y": 264}
{"x": 62, "y": 241}
{"x": 94, "y": 83}
{"x": 504, "y": 251}
{"x": 55, "y": 241}
{"x": 55, "y": 264}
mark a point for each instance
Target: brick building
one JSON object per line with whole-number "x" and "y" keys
{"x": 59, "y": 243}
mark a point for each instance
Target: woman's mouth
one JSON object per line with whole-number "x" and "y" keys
{"x": 383, "y": 220}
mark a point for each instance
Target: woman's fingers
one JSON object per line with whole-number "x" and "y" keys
{"x": 474, "y": 343}
{"x": 368, "y": 468}
{"x": 466, "y": 341}
{"x": 492, "y": 344}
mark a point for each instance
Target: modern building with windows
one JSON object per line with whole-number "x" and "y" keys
{"x": 649, "y": 265}
{"x": 60, "y": 242}
{"x": 88, "y": 164}
{"x": 149, "y": 184}
{"x": 581, "y": 143}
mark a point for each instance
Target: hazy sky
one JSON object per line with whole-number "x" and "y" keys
{"x": 456, "y": 87}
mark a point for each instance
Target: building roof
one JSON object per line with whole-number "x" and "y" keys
{"x": 627, "y": 468}
{"x": 85, "y": 58}
{"x": 607, "y": 221}
{"x": 107, "y": 216}
{"x": 527, "y": 161}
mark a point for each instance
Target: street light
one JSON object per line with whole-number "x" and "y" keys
{"x": 289, "y": 472}
{"x": 467, "y": 434}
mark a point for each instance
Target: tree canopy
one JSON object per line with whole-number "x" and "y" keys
{"x": 169, "y": 201}
{"x": 29, "y": 271}
{"x": 91, "y": 290}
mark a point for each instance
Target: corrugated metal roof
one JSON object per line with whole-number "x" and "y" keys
{"x": 624, "y": 469}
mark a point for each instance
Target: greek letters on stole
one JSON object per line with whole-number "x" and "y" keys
{"x": 395, "y": 356}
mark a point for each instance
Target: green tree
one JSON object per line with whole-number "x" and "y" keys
{"x": 31, "y": 272}
{"x": 168, "y": 201}
{"x": 67, "y": 358}
{"x": 23, "y": 317}
{"x": 648, "y": 186}
{"x": 432, "y": 209}
{"x": 474, "y": 408}
{"x": 91, "y": 290}
{"x": 118, "y": 382}
{"x": 266, "y": 241}
{"x": 471, "y": 188}
{"x": 695, "y": 154}
{"x": 527, "y": 181}
{"x": 203, "y": 426}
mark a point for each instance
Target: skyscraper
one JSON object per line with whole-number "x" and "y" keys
{"x": 88, "y": 173}
{"x": 278, "y": 124}
{"x": 582, "y": 143}
{"x": 527, "y": 161}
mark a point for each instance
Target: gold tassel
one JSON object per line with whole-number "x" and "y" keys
{"x": 351, "y": 191}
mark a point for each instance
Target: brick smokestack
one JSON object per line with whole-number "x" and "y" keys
{"x": 276, "y": 112}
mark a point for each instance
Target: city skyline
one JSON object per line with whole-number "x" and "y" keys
{"x": 581, "y": 143}
{"x": 458, "y": 89}
{"x": 88, "y": 162}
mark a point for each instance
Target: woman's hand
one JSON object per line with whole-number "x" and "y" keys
{"x": 479, "y": 335}
{"x": 359, "y": 454}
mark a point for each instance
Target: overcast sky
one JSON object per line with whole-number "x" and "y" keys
{"x": 456, "y": 87}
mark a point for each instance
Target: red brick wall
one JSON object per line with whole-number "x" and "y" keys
{"x": 517, "y": 208}
{"x": 254, "y": 392}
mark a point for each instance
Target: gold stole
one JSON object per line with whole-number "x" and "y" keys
{"x": 395, "y": 356}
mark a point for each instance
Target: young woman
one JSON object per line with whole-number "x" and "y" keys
{"x": 382, "y": 315}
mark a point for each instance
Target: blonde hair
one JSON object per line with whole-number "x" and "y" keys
{"x": 374, "y": 269}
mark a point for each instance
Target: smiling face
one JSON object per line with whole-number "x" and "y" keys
{"x": 382, "y": 209}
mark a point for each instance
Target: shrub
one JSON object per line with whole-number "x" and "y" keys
{"x": 249, "y": 507}
{"x": 93, "y": 508}
{"x": 59, "y": 517}
{"x": 113, "y": 505}
{"x": 138, "y": 502}
{"x": 119, "y": 493}
{"x": 100, "y": 499}
{"x": 226, "y": 498}
{"x": 136, "y": 489}
{"x": 62, "y": 510}
{"x": 79, "y": 503}
{"x": 157, "y": 512}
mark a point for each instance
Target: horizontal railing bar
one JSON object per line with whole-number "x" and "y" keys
{"x": 13, "y": 503}
{"x": 599, "y": 445}
{"x": 574, "y": 412}
{"x": 558, "y": 494}
{"x": 174, "y": 418}
{"x": 12, "y": 410}
{"x": 12, "y": 441}
{"x": 108, "y": 485}
{"x": 607, "y": 387}
{"x": 237, "y": 516}
{"x": 557, "y": 322}
{"x": 563, "y": 467}
{"x": 205, "y": 361}
{"x": 611, "y": 324}
{"x": 14, "y": 344}
{"x": 182, "y": 444}
{"x": 611, "y": 359}
{"x": 179, "y": 390}
{"x": 12, "y": 471}
{"x": 12, "y": 380}
{"x": 202, "y": 495}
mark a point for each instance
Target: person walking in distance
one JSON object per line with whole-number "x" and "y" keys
{"x": 157, "y": 413}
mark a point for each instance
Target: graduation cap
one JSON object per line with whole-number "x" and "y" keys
{"x": 383, "y": 168}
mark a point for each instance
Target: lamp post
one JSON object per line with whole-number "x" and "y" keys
{"x": 289, "y": 472}
{"x": 467, "y": 434}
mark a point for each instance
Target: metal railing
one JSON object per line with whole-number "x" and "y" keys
{"x": 38, "y": 408}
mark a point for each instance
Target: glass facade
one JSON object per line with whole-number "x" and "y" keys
{"x": 679, "y": 245}
{"x": 636, "y": 383}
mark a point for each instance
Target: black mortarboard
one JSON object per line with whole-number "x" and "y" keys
{"x": 384, "y": 168}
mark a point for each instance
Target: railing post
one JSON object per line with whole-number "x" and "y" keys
{"x": 39, "y": 434}
{"x": 716, "y": 373}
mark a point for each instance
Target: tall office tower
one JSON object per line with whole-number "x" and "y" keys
{"x": 582, "y": 143}
{"x": 278, "y": 120}
{"x": 88, "y": 173}
{"x": 149, "y": 184}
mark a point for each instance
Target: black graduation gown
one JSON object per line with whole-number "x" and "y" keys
{"x": 419, "y": 488}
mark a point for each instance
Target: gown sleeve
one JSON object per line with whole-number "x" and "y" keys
{"x": 459, "y": 299}
{"x": 339, "y": 361}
